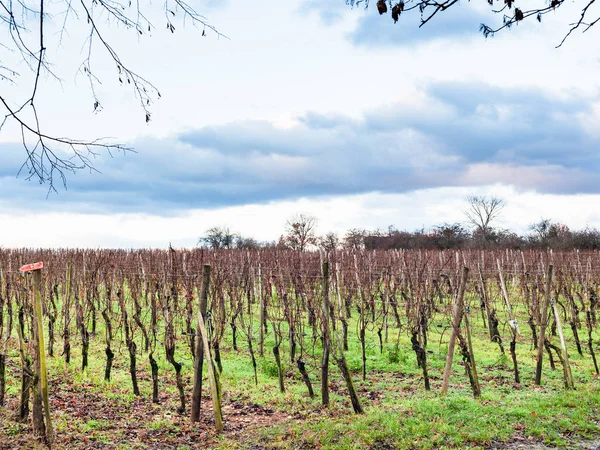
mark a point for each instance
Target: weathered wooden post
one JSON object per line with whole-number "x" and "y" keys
{"x": 212, "y": 375}
{"x": 261, "y": 315}
{"x": 338, "y": 351}
{"x": 66, "y": 316}
{"x": 212, "y": 378}
{"x": 472, "y": 367}
{"x": 569, "y": 383}
{"x": 199, "y": 360}
{"x": 42, "y": 373}
{"x": 3, "y": 345}
{"x": 543, "y": 324}
{"x": 457, "y": 313}
{"x": 326, "y": 337}
{"x": 514, "y": 325}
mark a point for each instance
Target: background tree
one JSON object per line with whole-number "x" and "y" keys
{"x": 219, "y": 237}
{"x": 329, "y": 242}
{"x": 481, "y": 212}
{"x": 547, "y": 233}
{"x": 355, "y": 239}
{"x": 512, "y": 12}
{"x": 246, "y": 243}
{"x": 33, "y": 32}
{"x": 300, "y": 232}
{"x": 450, "y": 235}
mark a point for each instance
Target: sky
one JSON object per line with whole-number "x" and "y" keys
{"x": 311, "y": 107}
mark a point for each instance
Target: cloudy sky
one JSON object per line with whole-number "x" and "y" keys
{"x": 313, "y": 106}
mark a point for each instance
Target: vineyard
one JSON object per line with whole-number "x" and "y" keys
{"x": 285, "y": 349}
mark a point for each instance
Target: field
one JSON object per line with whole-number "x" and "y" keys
{"x": 121, "y": 334}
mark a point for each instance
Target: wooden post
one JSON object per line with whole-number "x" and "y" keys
{"x": 43, "y": 371}
{"x": 26, "y": 373}
{"x": 473, "y": 368}
{"x": 339, "y": 356}
{"x": 212, "y": 377}
{"x": 569, "y": 383}
{"x": 3, "y": 341}
{"x": 504, "y": 291}
{"x": 543, "y": 324}
{"x": 261, "y": 303}
{"x": 326, "y": 339}
{"x": 342, "y": 313}
{"x": 514, "y": 326}
{"x": 198, "y": 362}
{"x": 456, "y": 319}
{"x": 486, "y": 302}
{"x": 362, "y": 320}
{"x": 66, "y": 316}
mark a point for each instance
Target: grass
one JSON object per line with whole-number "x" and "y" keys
{"x": 90, "y": 412}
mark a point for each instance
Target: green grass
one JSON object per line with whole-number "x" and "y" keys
{"x": 399, "y": 413}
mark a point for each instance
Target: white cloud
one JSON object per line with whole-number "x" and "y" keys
{"x": 266, "y": 221}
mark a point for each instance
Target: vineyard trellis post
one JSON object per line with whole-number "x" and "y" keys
{"x": 3, "y": 345}
{"x": 456, "y": 319}
{"x": 199, "y": 353}
{"x": 543, "y": 324}
{"x": 66, "y": 304}
{"x": 325, "y": 337}
{"x": 514, "y": 326}
{"x": 261, "y": 305}
{"x": 472, "y": 367}
{"x": 41, "y": 375}
{"x": 569, "y": 384}
{"x": 338, "y": 351}
{"x": 212, "y": 375}
{"x": 43, "y": 370}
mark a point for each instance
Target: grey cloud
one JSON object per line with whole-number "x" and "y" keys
{"x": 464, "y": 135}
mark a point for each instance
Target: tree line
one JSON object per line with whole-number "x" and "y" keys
{"x": 480, "y": 230}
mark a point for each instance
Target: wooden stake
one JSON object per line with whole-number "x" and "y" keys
{"x": 486, "y": 302}
{"x": 505, "y": 293}
{"x": 476, "y": 387}
{"x": 198, "y": 362}
{"x": 338, "y": 351}
{"x": 261, "y": 303}
{"x": 457, "y": 313}
{"x": 43, "y": 374}
{"x": 326, "y": 337}
{"x": 212, "y": 377}
{"x": 543, "y": 324}
{"x": 569, "y": 383}
{"x": 514, "y": 326}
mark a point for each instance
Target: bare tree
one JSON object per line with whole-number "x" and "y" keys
{"x": 29, "y": 42}
{"x": 511, "y": 13}
{"x": 541, "y": 229}
{"x": 550, "y": 234}
{"x": 355, "y": 239}
{"x": 219, "y": 237}
{"x": 482, "y": 211}
{"x": 450, "y": 235}
{"x": 246, "y": 243}
{"x": 329, "y": 242}
{"x": 300, "y": 232}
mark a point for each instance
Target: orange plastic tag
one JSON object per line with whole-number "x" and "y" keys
{"x": 32, "y": 267}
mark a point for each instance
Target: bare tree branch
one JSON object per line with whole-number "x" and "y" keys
{"x": 50, "y": 157}
{"x": 430, "y": 8}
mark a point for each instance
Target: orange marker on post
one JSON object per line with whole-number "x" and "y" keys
{"x": 32, "y": 267}
{"x": 36, "y": 268}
